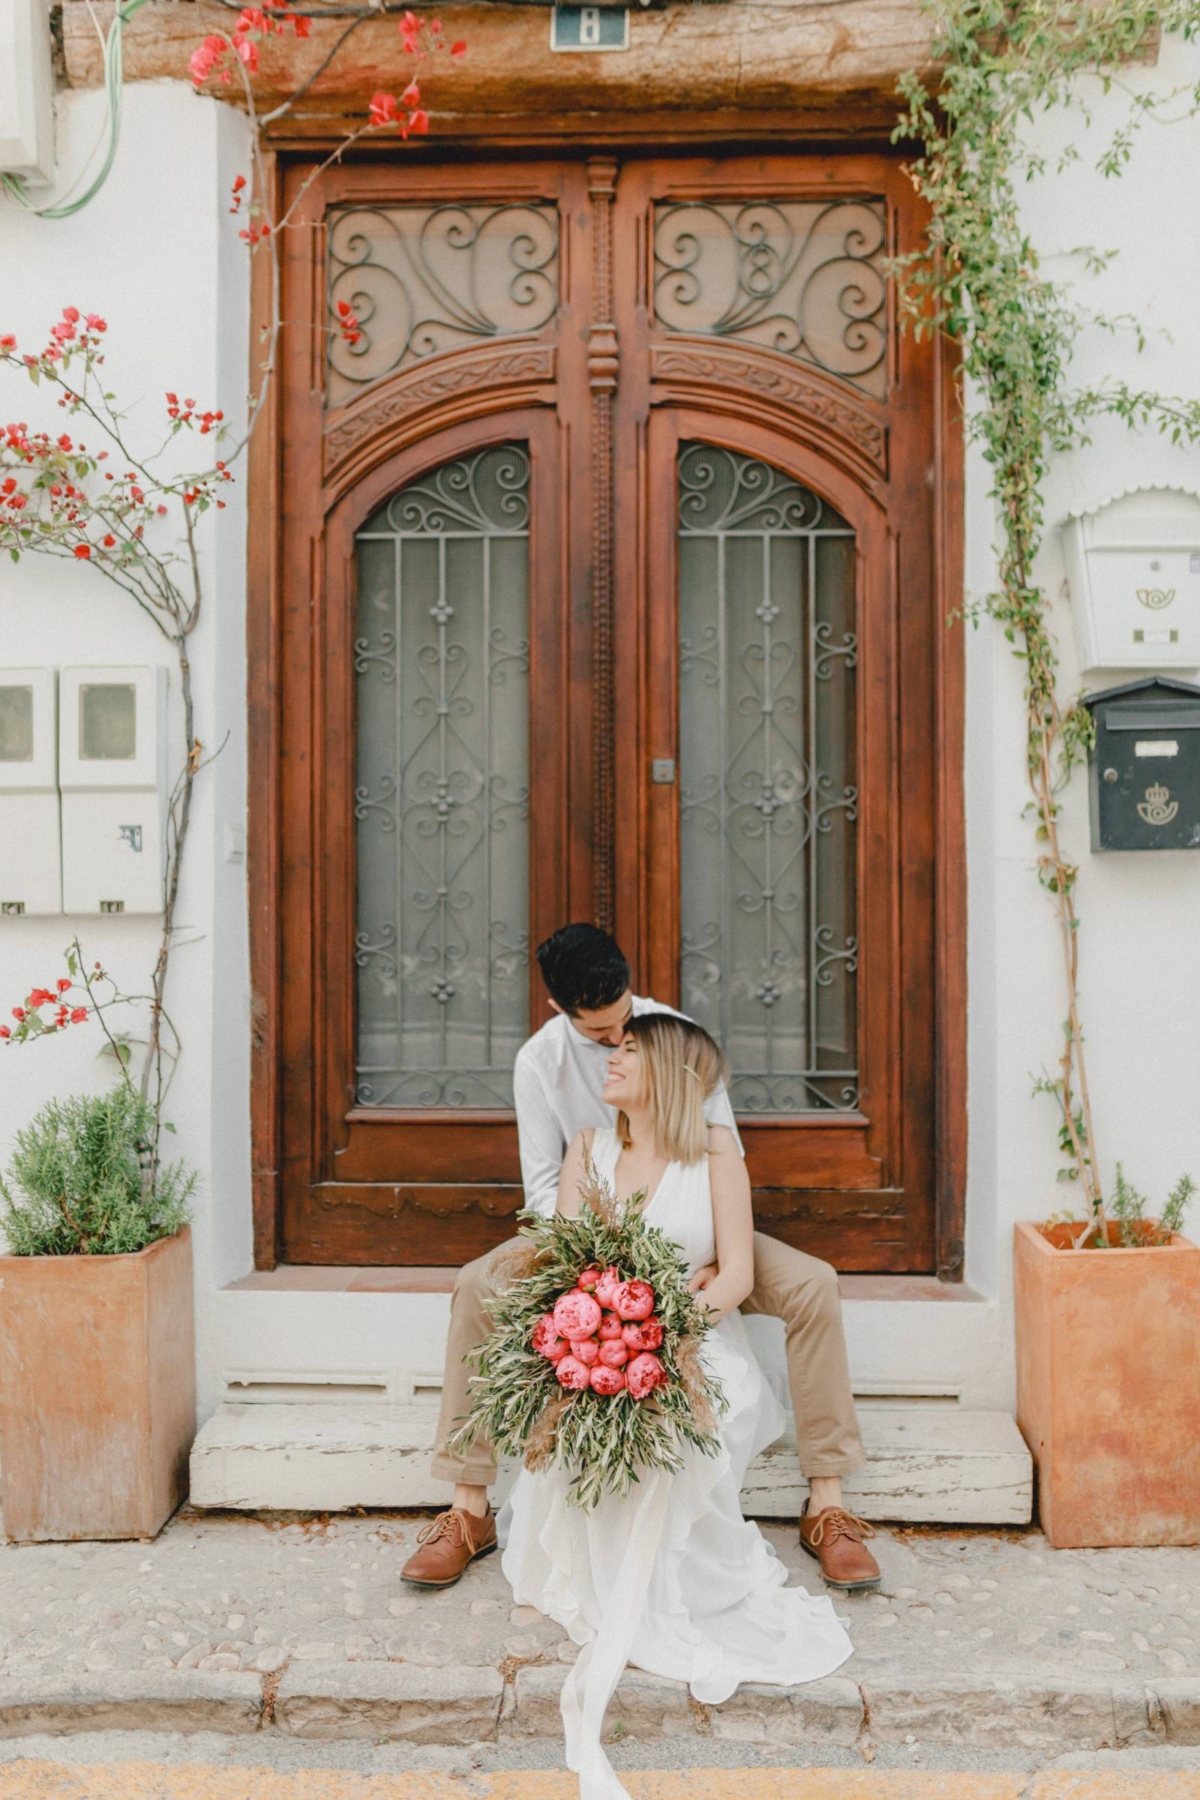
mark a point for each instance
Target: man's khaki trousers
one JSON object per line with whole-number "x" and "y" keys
{"x": 788, "y": 1285}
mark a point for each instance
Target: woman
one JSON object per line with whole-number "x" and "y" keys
{"x": 671, "y": 1578}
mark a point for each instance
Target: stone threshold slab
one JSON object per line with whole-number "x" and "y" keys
{"x": 925, "y": 1465}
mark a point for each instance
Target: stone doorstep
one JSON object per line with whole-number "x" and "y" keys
{"x": 458, "y": 1706}
{"x": 925, "y": 1465}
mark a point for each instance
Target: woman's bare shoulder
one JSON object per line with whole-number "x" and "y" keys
{"x": 721, "y": 1141}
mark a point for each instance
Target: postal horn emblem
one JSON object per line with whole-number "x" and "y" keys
{"x": 1156, "y": 598}
{"x": 1158, "y": 808}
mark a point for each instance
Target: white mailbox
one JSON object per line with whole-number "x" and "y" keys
{"x": 31, "y": 855}
{"x": 111, "y": 770}
{"x": 1133, "y": 569}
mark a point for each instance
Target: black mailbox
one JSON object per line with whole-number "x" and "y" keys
{"x": 1144, "y": 769}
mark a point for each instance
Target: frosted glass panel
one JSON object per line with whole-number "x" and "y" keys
{"x": 16, "y": 724}
{"x": 768, "y": 801}
{"x": 442, "y": 793}
{"x": 108, "y": 722}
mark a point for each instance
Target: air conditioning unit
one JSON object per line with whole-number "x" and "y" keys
{"x": 26, "y": 91}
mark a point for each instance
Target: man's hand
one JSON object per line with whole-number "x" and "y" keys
{"x": 703, "y": 1278}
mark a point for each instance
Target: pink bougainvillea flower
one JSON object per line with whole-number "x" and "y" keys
{"x": 634, "y": 1300}
{"x": 606, "y": 1381}
{"x": 645, "y": 1334}
{"x": 576, "y": 1315}
{"x": 644, "y": 1374}
{"x": 572, "y": 1374}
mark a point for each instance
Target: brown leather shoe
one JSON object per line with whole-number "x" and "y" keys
{"x": 835, "y": 1538}
{"x": 448, "y": 1543}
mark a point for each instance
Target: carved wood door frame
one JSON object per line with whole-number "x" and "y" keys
{"x": 602, "y": 396}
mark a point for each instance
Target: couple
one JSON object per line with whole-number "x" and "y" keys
{"x": 671, "y": 1578}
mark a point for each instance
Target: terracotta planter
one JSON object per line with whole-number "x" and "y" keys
{"x": 97, "y": 1391}
{"x": 1108, "y": 1389}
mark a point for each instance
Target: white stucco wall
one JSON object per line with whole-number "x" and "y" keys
{"x": 158, "y": 254}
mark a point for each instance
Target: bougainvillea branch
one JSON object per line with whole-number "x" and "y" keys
{"x": 88, "y": 495}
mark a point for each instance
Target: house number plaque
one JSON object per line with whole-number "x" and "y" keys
{"x": 589, "y": 28}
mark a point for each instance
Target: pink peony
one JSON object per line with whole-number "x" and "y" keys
{"x": 644, "y": 1374}
{"x": 610, "y": 1327}
{"x": 576, "y": 1315}
{"x": 588, "y": 1279}
{"x": 608, "y": 1284}
{"x": 572, "y": 1374}
{"x": 585, "y": 1350}
{"x": 546, "y": 1340}
{"x": 614, "y": 1354}
{"x": 634, "y": 1300}
{"x": 606, "y": 1380}
{"x": 644, "y": 1335}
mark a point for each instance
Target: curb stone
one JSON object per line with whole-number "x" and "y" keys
{"x": 1036, "y": 1715}
{"x": 650, "y": 1707}
{"x": 410, "y": 1702}
{"x": 1180, "y": 1703}
{"x": 185, "y": 1701}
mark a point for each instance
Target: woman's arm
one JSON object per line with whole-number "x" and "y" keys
{"x": 733, "y": 1222}
{"x": 573, "y": 1173}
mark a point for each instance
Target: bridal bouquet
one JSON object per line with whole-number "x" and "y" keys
{"x": 594, "y": 1362}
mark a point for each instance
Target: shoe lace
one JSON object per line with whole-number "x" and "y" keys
{"x": 838, "y": 1523}
{"x": 450, "y": 1525}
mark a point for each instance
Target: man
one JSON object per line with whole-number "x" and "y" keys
{"x": 557, "y": 1082}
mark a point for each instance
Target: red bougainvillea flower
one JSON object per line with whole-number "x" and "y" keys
{"x": 644, "y": 1335}
{"x": 8, "y": 344}
{"x": 41, "y": 997}
{"x": 419, "y": 122}
{"x": 606, "y": 1381}
{"x": 5, "y": 1031}
{"x": 634, "y": 1300}
{"x": 348, "y": 324}
{"x": 63, "y": 983}
{"x": 614, "y": 1354}
{"x": 458, "y": 51}
{"x": 78, "y": 1014}
{"x": 572, "y": 1374}
{"x": 382, "y": 110}
{"x": 644, "y": 1374}
{"x": 83, "y": 551}
{"x": 238, "y": 186}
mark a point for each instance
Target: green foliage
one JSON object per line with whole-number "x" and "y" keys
{"x": 81, "y": 1182}
{"x": 979, "y": 279}
{"x": 607, "y": 1441}
{"x": 1128, "y": 1208}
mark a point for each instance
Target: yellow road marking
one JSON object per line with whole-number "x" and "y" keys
{"x": 29, "y": 1780}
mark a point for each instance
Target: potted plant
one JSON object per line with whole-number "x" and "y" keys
{"x": 1108, "y": 1371}
{"x": 97, "y": 1368}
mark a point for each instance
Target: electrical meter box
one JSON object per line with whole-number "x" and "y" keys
{"x": 111, "y": 771}
{"x": 1133, "y": 570}
{"x": 1144, "y": 768}
{"x": 31, "y": 864}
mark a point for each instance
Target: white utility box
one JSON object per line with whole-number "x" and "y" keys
{"x": 31, "y": 862}
{"x": 26, "y": 91}
{"x": 1133, "y": 569}
{"x": 111, "y": 771}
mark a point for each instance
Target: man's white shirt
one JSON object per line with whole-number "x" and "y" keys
{"x": 558, "y": 1078}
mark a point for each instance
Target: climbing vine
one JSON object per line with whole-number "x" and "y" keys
{"x": 979, "y": 279}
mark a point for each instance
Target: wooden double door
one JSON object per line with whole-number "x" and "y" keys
{"x": 607, "y": 585}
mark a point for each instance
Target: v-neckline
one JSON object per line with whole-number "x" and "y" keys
{"x": 648, "y": 1202}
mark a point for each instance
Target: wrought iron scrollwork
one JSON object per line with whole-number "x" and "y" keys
{"x": 768, "y": 802}
{"x": 442, "y": 799}
{"x": 423, "y": 279}
{"x": 804, "y": 278}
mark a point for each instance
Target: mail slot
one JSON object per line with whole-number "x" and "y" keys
{"x": 1144, "y": 768}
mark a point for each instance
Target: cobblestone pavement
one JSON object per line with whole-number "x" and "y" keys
{"x": 230, "y": 1592}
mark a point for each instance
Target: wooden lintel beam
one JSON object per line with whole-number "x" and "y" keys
{"x": 828, "y": 66}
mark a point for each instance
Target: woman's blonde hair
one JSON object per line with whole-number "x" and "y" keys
{"x": 679, "y": 1067}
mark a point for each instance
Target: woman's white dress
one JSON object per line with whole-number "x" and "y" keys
{"x": 672, "y": 1579}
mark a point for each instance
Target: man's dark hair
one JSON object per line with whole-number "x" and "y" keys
{"x": 583, "y": 968}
